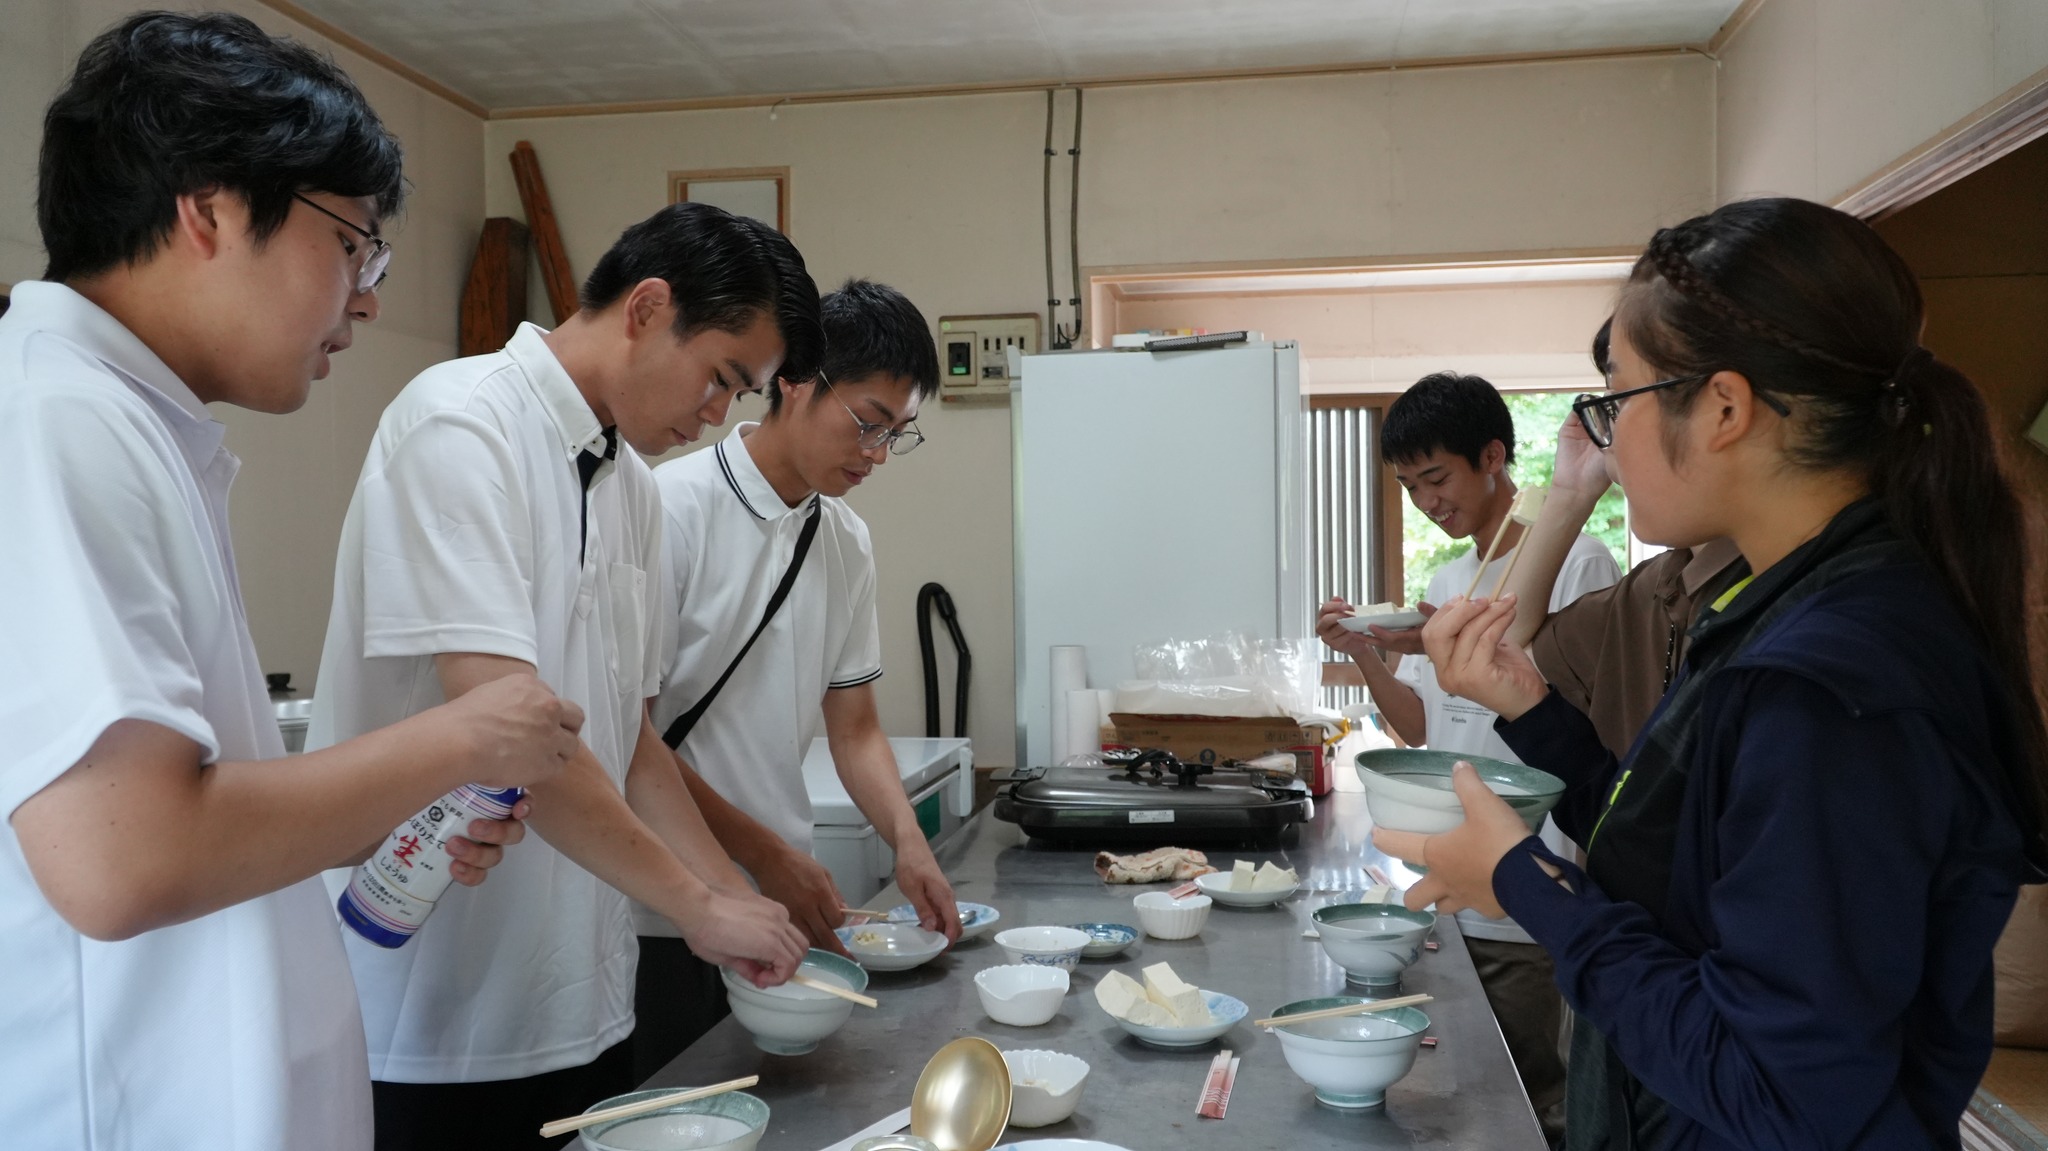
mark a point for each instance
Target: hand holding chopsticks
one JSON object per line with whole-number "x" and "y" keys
{"x": 556, "y": 1127}
{"x": 1364, "y": 1008}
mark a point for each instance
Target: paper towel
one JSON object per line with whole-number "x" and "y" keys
{"x": 1068, "y": 671}
{"x": 1084, "y": 724}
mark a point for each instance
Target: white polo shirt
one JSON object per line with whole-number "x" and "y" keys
{"x": 235, "y": 1030}
{"x": 729, "y": 540}
{"x": 1457, "y": 724}
{"x": 462, "y": 536}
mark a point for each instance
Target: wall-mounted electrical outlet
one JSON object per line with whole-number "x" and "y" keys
{"x": 974, "y": 355}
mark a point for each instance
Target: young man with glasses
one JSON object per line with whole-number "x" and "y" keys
{"x": 174, "y": 974}
{"x": 505, "y": 524}
{"x": 738, "y": 518}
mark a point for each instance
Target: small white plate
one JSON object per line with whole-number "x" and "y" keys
{"x": 1227, "y": 1010}
{"x": 1216, "y": 885}
{"x": 897, "y": 946}
{"x": 980, "y": 917}
{"x": 1391, "y": 620}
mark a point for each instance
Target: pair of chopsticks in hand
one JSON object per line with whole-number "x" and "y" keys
{"x": 1527, "y": 505}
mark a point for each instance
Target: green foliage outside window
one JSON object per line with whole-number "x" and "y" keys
{"x": 1424, "y": 546}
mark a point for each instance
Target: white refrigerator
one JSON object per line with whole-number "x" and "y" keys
{"x": 1159, "y": 495}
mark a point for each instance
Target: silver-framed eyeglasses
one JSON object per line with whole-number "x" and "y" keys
{"x": 375, "y": 266}
{"x": 901, "y": 441}
{"x": 1598, "y": 413}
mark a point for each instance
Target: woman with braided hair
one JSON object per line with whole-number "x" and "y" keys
{"x": 1782, "y": 933}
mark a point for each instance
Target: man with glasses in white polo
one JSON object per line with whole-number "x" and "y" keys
{"x": 776, "y": 639}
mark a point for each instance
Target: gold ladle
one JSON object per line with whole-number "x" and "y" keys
{"x": 962, "y": 1101}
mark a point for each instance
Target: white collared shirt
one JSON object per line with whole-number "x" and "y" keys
{"x": 238, "y": 1029}
{"x": 730, "y": 538}
{"x": 463, "y": 536}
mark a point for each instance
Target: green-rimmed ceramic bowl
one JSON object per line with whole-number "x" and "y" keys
{"x": 1373, "y": 942}
{"x": 1353, "y": 1059}
{"x": 1408, "y": 789}
{"x": 790, "y": 1019}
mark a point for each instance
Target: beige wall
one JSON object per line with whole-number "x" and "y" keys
{"x": 298, "y": 470}
{"x": 1817, "y": 96}
{"x": 941, "y": 197}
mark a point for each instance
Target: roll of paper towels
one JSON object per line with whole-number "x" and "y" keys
{"x": 1084, "y": 724}
{"x": 1105, "y": 703}
{"x": 1067, "y": 671}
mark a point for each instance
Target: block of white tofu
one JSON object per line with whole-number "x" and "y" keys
{"x": 1242, "y": 876}
{"x": 1181, "y": 1000}
{"x": 1124, "y": 998}
{"x": 1270, "y": 878}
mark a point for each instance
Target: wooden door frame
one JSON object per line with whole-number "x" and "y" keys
{"x": 679, "y": 182}
{"x": 2018, "y": 117}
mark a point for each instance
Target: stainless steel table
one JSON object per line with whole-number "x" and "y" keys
{"x": 1463, "y": 1093}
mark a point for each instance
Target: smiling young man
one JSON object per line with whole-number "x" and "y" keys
{"x": 500, "y": 527}
{"x": 209, "y": 201}
{"x": 737, "y": 518}
{"x": 1451, "y": 439}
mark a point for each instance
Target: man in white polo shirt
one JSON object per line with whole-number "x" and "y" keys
{"x": 737, "y": 516}
{"x": 210, "y": 203}
{"x": 501, "y": 527}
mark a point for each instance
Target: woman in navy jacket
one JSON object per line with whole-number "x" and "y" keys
{"x": 1782, "y": 935}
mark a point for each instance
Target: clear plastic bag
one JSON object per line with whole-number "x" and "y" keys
{"x": 1231, "y": 674}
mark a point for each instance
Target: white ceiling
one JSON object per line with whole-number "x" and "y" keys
{"x": 523, "y": 53}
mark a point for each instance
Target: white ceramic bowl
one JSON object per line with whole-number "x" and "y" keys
{"x": 1021, "y": 994}
{"x": 790, "y": 1019}
{"x": 1352, "y": 1060}
{"x": 980, "y": 917}
{"x": 1409, "y": 789}
{"x": 1045, "y": 1086}
{"x": 733, "y": 1121}
{"x": 891, "y": 946}
{"x": 1216, "y": 885}
{"x": 1164, "y": 917}
{"x": 1228, "y": 1011}
{"x": 1373, "y": 942}
{"x": 1043, "y": 946}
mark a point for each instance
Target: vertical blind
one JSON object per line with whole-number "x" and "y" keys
{"x": 1344, "y": 515}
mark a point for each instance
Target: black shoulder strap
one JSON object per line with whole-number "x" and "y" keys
{"x": 680, "y": 729}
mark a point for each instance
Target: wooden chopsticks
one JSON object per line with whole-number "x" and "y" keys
{"x": 1365, "y": 1008}
{"x": 802, "y": 980}
{"x": 556, "y": 1127}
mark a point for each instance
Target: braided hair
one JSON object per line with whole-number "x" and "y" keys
{"x": 1812, "y": 306}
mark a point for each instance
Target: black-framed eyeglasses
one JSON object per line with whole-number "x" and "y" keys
{"x": 1598, "y": 413}
{"x": 901, "y": 442}
{"x": 374, "y": 267}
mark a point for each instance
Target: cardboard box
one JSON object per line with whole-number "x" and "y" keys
{"x": 1188, "y": 736}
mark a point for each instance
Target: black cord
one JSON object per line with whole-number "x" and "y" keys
{"x": 1052, "y": 302}
{"x": 933, "y": 594}
{"x": 1074, "y": 223}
